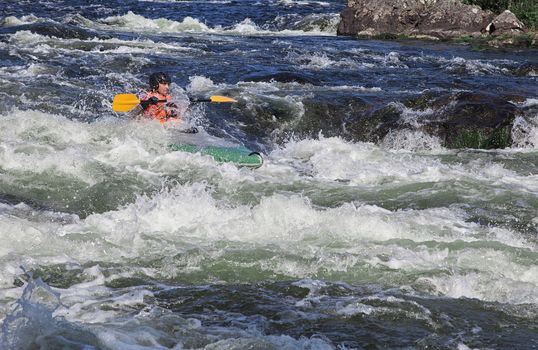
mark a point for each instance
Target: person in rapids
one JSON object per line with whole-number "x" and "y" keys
{"x": 157, "y": 102}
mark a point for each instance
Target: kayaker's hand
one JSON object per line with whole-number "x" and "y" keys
{"x": 172, "y": 110}
{"x": 150, "y": 101}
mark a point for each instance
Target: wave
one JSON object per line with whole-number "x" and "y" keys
{"x": 11, "y": 21}
{"x": 321, "y": 60}
{"x": 462, "y": 65}
{"x": 47, "y": 43}
{"x": 310, "y": 25}
{"x": 314, "y": 23}
{"x": 109, "y": 192}
{"x": 293, "y": 231}
{"x": 140, "y": 23}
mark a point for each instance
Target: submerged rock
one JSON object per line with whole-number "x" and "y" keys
{"x": 456, "y": 120}
{"x": 57, "y": 30}
{"x": 283, "y": 77}
{"x": 527, "y": 69}
{"x": 462, "y": 120}
{"x": 474, "y": 120}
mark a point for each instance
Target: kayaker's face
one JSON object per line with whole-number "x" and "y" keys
{"x": 163, "y": 88}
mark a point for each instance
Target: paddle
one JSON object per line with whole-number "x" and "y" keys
{"x": 126, "y": 102}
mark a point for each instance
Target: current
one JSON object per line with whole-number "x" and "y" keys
{"x": 110, "y": 241}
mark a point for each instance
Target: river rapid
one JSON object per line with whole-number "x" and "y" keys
{"x": 110, "y": 241}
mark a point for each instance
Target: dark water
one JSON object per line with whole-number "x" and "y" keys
{"x": 336, "y": 242}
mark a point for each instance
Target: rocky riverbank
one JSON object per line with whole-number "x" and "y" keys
{"x": 436, "y": 20}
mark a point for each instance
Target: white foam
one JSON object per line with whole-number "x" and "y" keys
{"x": 11, "y": 21}
{"x": 320, "y": 60}
{"x": 139, "y": 23}
{"x": 361, "y": 163}
{"x": 411, "y": 140}
{"x": 320, "y": 24}
{"x": 188, "y": 215}
{"x": 355, "y": 309}
{"x": 45, "y": 44}
{"x": 392, "y": 60}
{"x": 291, "y": 3}
{"x": 297, "y": 231}
{"x": 530, "y": 102}
{"x": 26, "y": 36}
{"x": 489, "y": 287}
{"x": 367, "y": 164}
{"x": 354, "y": 88}
{"x": 384, "y": 305}
{"x": 200, "y": 84}
{"x": 525, "y": 127}
{"x": 473, "y": 66}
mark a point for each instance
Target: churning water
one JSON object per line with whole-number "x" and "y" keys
{"x": 109, "y": 241}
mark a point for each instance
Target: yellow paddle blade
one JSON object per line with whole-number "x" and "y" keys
{"x": 124, "y": 102}
{"x": 218, "y": 99}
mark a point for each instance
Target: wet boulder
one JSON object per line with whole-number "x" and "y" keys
{"x": 57, "y": 30}
{"x": 283, "y": 77}
{"x": 506, "y": 24}
{"x": 374, "y": 124}
{"x": 330, "y": 115}
{"x": 278, "y": 118}
{"x": 434, "y": 18}
{"x": 527, "y": 69}
{"x": 471, "y": 120}
{"x": 463, "y": 120}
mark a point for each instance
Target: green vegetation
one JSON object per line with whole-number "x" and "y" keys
{"x": 502, "y": 41}
{"x": 525, "y": 10}
{"x": 479, "y": 139}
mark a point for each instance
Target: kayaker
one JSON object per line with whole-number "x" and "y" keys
{"x": 157, "y": 102}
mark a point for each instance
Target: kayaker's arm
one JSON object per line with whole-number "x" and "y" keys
{"x": 150, "y": 101}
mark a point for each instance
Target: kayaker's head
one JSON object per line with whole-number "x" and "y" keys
{"x": 160, "y": 82}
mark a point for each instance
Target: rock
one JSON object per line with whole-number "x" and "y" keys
{"x": 463, "y": 120}
{"x": 374, "y": 125}
{"x": 472, "y": 120}
{"x": 437, "y": 18}
{"x": 330, "y": 115}
{"x": 283, "y": 77}
{"x": 457, "y": 120}
{"x": 58, "y": 30}
{"x": 506, "y": 23}
{"x": 529, "y": 69}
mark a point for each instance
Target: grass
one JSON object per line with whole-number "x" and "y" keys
{"x": 502, "y": 41}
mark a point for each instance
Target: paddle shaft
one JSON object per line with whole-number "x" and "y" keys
{"x": 126, "y": 102}
{"x": 146, "y": 103}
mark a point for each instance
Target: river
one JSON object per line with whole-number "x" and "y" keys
{"x": 110, "y": 241}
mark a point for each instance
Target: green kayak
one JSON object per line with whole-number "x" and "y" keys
{"x": 239, "y": 156}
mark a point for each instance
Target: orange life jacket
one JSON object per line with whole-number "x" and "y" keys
{"x": 160, "y": 110}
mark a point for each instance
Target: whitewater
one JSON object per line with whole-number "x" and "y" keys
{"x": 111, "y": 241}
